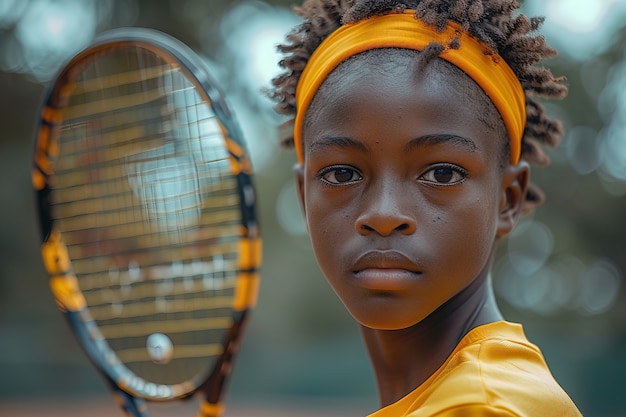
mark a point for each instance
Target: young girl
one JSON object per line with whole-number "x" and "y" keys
{"x": 414, "y": 126}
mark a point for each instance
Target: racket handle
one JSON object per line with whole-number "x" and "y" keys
{"x": 131, "y": 406}
{"x": 208, "y": 409}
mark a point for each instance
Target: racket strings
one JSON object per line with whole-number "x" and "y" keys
{"x": 149, "y": 210}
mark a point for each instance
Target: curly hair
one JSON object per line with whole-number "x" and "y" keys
{"x": 496, "y": 23}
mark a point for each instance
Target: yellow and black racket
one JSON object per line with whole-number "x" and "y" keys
{"x": 147, "y": 213}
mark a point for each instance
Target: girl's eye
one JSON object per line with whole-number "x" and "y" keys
{"x": 339, "y": 175}
{"x": 445, "y": 175}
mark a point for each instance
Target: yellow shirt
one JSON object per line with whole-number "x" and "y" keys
{"x": 494, "y": 371}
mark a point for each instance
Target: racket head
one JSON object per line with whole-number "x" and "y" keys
{"x": 147, "y": 213}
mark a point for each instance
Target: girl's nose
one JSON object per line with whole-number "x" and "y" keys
{"x": 387, "y": 211}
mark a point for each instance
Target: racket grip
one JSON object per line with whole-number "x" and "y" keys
{"x": 209, "y": 409}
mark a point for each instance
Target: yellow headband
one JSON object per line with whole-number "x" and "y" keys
{"x": 403, "y": 30}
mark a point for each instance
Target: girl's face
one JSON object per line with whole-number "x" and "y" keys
{"x": 402, "y": 189}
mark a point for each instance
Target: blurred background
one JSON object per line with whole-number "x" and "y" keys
{"x": 561, "y": 273}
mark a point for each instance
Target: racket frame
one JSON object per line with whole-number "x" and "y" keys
{"x": 130, "y": 390}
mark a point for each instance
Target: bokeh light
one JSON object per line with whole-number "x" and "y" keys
{"x": 613, "y": 138}
{"x": 583, "y": 149}
{"x": 49, "y": 32}
{"x": 580, "y": 28}
{"x": 11, "y": 11}
{"x": 578, "y": 15}
{"x": 532, "y": 277}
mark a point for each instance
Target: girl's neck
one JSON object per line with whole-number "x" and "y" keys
{"x": 404, "y": 359}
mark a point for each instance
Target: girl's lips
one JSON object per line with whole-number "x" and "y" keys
{"x": 386, "y": 279}
{"x": 385, "y": 270}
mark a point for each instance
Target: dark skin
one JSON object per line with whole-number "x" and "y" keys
{"x": 405, "y": 197}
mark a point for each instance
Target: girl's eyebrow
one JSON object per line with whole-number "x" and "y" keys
{"x": 462, "y": 142}
{"x": 325, "y": 142}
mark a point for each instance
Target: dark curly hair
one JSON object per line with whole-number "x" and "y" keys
{"x": 497, "y": 23}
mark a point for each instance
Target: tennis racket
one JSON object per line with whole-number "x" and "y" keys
{"x": 147, "y": 214}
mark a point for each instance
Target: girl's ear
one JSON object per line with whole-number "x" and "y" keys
{"x": 298, "y": 171}
{"x": 515, "y": 179}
